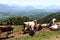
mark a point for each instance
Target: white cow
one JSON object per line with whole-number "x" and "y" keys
{"x": 30, "y": 24}
{"x": 54, "y": 24}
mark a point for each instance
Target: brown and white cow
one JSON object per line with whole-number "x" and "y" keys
{"x": 33, "y": 25}
{"x": 46, "y": 25}
{"x": 54, "y": 25}
{"x": 6, "y": 30}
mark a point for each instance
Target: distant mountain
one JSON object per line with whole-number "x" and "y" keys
{"x": 29, "y": 11}
{"x": 37, "y": 14}
{"x": 6, "y": 8}
{"x": 53, "y": 7}
{"x": 10, "y": 8}
{"x": 14, "y": 9}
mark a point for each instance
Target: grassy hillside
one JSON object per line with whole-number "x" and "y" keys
{"x": 48, "y": 18}
{"x": 41, "y": 35}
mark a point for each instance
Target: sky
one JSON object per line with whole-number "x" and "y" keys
{"x": 35, "y": 3}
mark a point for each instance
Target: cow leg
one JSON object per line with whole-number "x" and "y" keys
{"x": 6, "y": 33}
{"x": 24, "y": 25}
{"x": 25, "y": 30}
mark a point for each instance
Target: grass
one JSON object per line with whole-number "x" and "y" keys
{"x": 17, "y": 27}
{"x": 40, "y": 36}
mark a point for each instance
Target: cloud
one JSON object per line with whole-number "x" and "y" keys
{"x": 31, "y": 2}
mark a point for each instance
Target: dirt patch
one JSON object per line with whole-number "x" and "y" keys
{"x": 18, "y": 34}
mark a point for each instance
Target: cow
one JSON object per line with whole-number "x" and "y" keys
{"x": 54, "y": 25}
{"x": 45, "y": 25}
{"x": 7, "y": 29}
{"x": 31, "y": 26}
